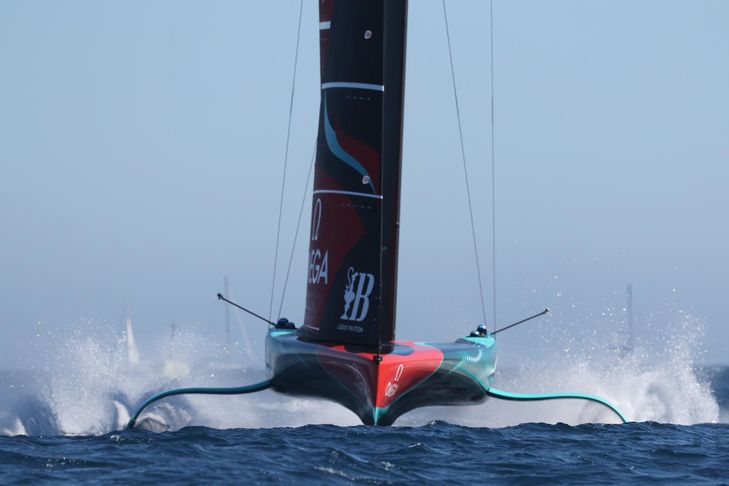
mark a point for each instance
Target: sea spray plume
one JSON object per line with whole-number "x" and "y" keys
{"x": 88, "y": 386}
{"x": 12, "y": 428}
{"x": 671, "y": 387}
{"x": 22, "y": 411}
{"x": 659, "y": 381}
{"x": 93, "y": 383}
{"x": 88, "y": 372}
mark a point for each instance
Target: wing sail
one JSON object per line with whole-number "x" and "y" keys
{"x": 355, "y": 210}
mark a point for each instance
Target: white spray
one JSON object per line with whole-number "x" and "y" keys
{"x": 92, "y": 386}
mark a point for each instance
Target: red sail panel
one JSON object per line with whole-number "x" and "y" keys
{"x": 352, "y": 257}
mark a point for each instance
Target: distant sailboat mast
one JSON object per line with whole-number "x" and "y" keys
{"x": 132, "y": 350}
{"x": 631, "y": 322}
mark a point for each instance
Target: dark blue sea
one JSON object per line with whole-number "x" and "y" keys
{"x": 65, "y": 423}
{"x": 645, "y": 452}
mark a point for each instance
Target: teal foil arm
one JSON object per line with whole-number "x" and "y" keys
{"x": 533, "y": 397}
{"x": 236, "y": 390}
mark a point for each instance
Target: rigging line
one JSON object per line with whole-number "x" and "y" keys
{"x": 493, "y": 171}
{"x": 286, "y": 159}
{"x": 465, "y": 168}
{"x": 296, "y": 233}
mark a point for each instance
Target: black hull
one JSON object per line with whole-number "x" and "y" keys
{"x": 409, "y": 375}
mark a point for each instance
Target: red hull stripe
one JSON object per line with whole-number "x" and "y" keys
{"x": 397, "y": 373}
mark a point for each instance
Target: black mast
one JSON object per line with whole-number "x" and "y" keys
{"x": 352, "y": 279}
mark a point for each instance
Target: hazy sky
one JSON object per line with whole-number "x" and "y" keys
{"x": 142, "y": 143}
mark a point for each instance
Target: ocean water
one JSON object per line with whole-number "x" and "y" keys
{"x": 437, "y": 451}
{"x": 63, "y": 421}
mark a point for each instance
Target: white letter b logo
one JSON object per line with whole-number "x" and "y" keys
{"x": 357, "y": 295}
